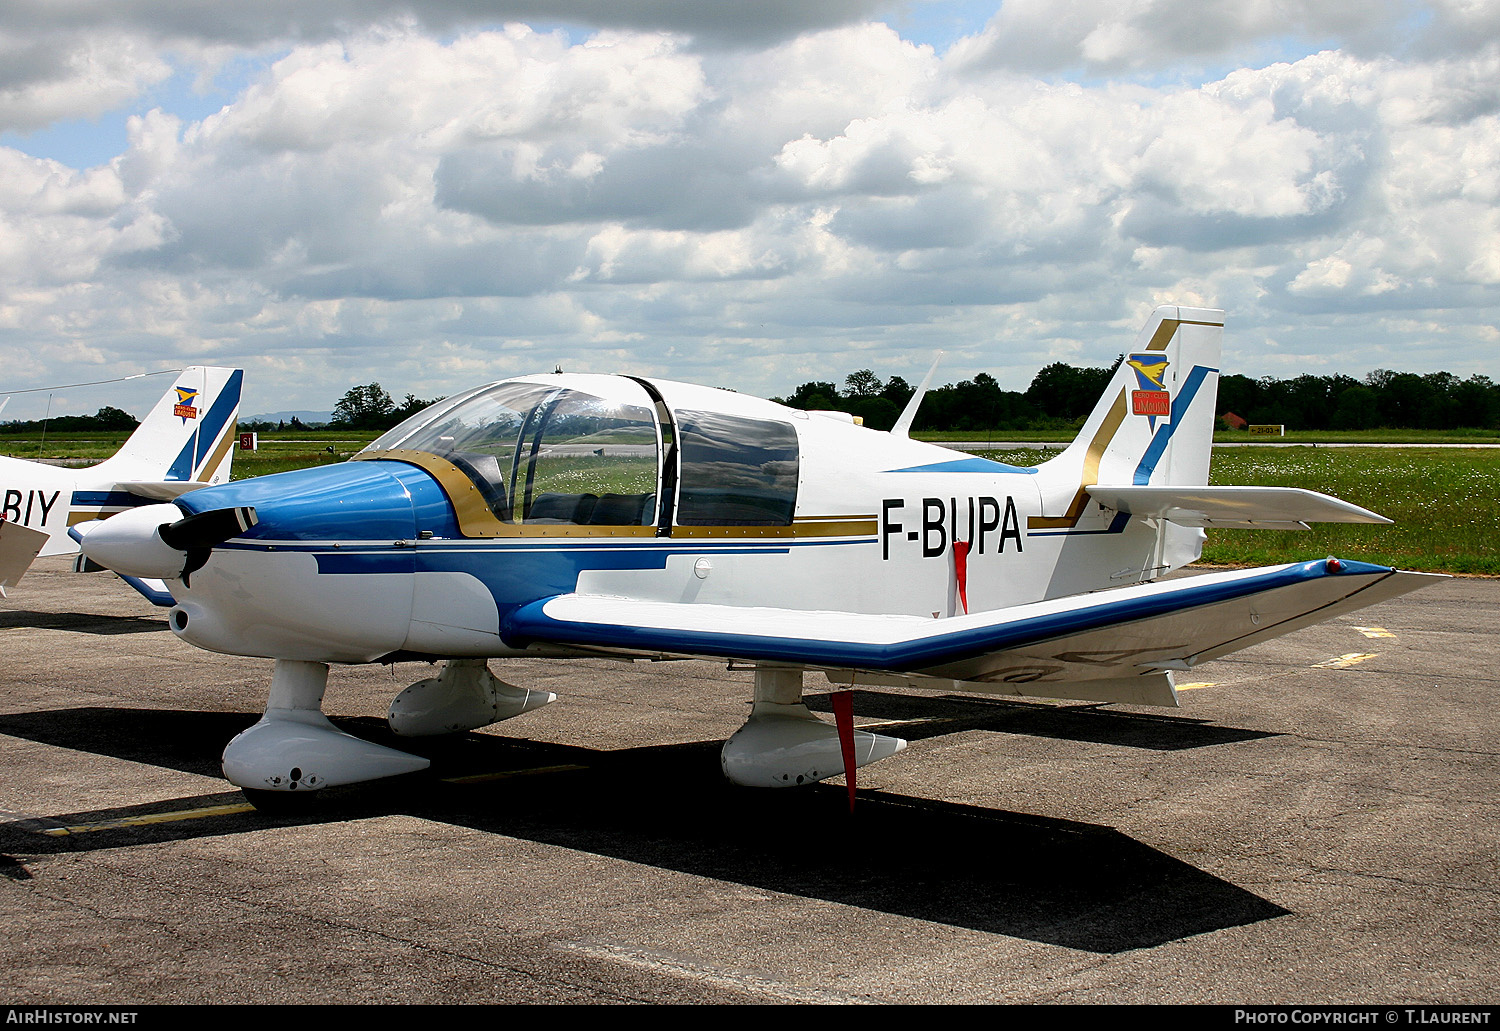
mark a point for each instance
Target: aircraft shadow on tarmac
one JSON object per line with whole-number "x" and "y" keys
{"x": 82, "y": 622}
{"x": 1078, "y": 885}
{"x": 1092, "y": 722}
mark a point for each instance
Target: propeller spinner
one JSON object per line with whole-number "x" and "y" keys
{"x": 158, "y": 541}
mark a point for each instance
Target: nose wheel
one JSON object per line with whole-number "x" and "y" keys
{"x": 294, "y": 750}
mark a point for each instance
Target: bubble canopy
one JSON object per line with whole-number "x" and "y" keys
{"x": 564, "y": 449}
{"x": 586, "y": 450}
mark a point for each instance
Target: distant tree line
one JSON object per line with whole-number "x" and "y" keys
{"x": 1383, "y": 399}
{"x": 105, "y": 419}
{"x": 365, "y": 407}
{"x": 1061, "y": 395}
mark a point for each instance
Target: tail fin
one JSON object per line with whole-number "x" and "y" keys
{"x": 1153, "y": 426}
{"x": 1155, "y": 422}
{"x": 188, "y": 437}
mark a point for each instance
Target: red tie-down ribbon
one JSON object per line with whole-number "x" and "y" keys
{"x": 961, "y": 570}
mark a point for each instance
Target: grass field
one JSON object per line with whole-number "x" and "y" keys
{"x": 1443, "y": 500}
{"x": 1413, "y": 437}
{"x": 279, "y": 454}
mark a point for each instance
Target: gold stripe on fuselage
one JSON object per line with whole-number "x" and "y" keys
{"x": 80, "y": 515}
{"x": 477, "y": 519}
{"x": 1097, "y": 447}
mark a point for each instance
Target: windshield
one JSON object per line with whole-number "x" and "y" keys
{"x": 546, "y": 452}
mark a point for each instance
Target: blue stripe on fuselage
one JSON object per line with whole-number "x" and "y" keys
{"x": 110, "y": 498}
{"x": 349, "y": 516}
{"x": 973, "y": 464}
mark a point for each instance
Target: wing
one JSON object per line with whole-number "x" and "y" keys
{"x": 153, "y": 589}
{"x": 1109, "y": 636}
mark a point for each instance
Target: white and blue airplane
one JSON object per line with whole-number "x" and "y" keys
{"x": 585, "y": 515}
{"x": 185, "y": 442}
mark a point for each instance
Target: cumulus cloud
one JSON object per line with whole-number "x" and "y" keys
{"x": 57, "y": 76}
{"x": 215, "y": 22}
{"x": 1110, "y": 36}
{"x": 385, "y": 202}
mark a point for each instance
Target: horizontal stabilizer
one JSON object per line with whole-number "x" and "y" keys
{"x": 1251, "y": 508}
{"x": 160, "y": 490}
{"x": 1130, "y": 631}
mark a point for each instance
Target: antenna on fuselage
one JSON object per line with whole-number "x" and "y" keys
{"x": 903, "y": 424}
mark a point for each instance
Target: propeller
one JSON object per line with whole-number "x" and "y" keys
{"x": 205, "y": 529}
{"x": 158, "y": 541}
{"x": 197, "y": 534}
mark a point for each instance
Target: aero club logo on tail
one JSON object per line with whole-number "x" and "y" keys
{"x": 1152, "y": 399}
{"x": 184, "y": 407}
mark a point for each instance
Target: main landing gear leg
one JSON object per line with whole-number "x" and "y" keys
{"x": 295, "y": 748}
{"x": 783, "y": 744}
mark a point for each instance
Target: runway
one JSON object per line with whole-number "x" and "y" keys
{"x": 1318, "y": 823}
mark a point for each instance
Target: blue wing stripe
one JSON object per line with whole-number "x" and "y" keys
{"x": 531, "y": 623}
{"x": 159, "y": 598}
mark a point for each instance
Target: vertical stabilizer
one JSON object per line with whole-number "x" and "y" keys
{"x": 188, "y": 436}
{"x": 1154, "y": 423}
{"x": 1152, "y": 426}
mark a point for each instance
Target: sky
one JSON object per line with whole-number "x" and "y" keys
{"x": 432, "y": 195}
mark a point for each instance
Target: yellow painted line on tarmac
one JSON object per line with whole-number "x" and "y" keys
{"x": 151, "y": 818}
{"x": 477, "y": 778}
{"x": 1344, "y": 661}
{"x": 1341, "y": 662}
{"x": 1374, "y": 631}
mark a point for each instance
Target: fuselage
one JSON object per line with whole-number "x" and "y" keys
{"x": 52, "y": 498}
{"x": 638, "y": 489}
{"x": 185, "y": 439}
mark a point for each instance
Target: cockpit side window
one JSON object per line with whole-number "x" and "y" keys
{"x": 736, "y": 471}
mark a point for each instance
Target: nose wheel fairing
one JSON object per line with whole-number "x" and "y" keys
{"x": 294, "y": 747}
